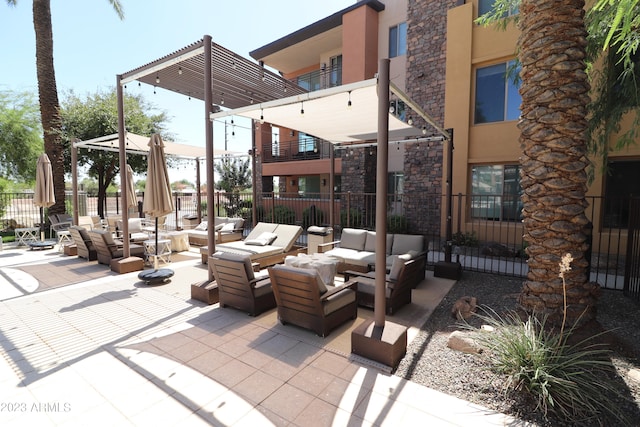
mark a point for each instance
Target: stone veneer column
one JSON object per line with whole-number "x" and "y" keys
{"x": 426, "y": 71}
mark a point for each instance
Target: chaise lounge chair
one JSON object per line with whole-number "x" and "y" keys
{"x": 267, "y": 244}
{"x": 238, "y": 287}
{"x": 305, "y": 301}
{"x": 108, "y": 248}
{"x": 83, "y": 242}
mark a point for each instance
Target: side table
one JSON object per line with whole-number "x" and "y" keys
{"x": 161, "y": 253}
{"x": 26, "y": 235}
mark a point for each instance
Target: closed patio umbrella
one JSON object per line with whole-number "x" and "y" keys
{"x": 157, "y": 193}
{"x": 132, "y": 200}
{"x": 44, "y": 195}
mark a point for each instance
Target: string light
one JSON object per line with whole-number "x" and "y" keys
{"x": 157, "y": 79}
{"x": 261, "y": 117}
{"x": 179, "y": 70}
{"x": 349, "y": 102}
{"x": 302, "y": 107}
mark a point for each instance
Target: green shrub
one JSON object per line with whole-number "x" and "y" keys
{"x": 568, "y": 380}
{"x": 355, "y": 218}
{"x": 281, "y": 215}
{"x": 397, "y": 224}
{"x": 309, "y": 219}
{"x": 468, "y": 239}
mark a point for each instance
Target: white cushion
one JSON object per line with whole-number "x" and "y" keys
{"x": 202, "y": 226}
{"x": 229, "y": 226}
{"x": 397, "y": 266}
{"x": 218, "y": 227}
{"x": 403, "y": 243}
{"x": 370, "y": 242}
{"x": 264, "y": 239}
{"x": 353, "y": 238}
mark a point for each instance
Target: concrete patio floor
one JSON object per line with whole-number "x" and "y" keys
{"x": 111, "y": 351}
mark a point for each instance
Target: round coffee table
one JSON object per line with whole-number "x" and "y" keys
{"x": 156, "y": 277}
{"x": 41, "y": 244}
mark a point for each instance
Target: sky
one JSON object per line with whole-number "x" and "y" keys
{"x": 91, "y": 45}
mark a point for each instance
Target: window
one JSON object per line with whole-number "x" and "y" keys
{"x": 497, "y": 96}
{"x": 485, "y": 6}
{"x": 335, "y": 72}
{"x": 495, "y": 192}
{"x": 395, "y": 188}
{"x": 309, "y": 186}
{"x": 306, "y": 143}
{"x": 398, "y": 108}
{"x": 622, "y": 181}
{"x": 398, "y": 40}
{"x": 309, "y": 81}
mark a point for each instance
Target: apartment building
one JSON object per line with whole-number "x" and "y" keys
{"x": 461, "y": 74}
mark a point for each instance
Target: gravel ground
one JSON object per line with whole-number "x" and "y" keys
{"x": 431, "y": 363}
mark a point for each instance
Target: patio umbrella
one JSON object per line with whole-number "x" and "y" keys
{"x": 157, "y": 192}
{"x": 132, "y": 200}
{"x": 44, "y": 195}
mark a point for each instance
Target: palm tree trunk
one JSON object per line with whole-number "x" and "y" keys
{"x": 48, "y": 94}
{"x": 555, "y": 94}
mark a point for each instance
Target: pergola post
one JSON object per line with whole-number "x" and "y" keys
{"x": 379, "y": 340}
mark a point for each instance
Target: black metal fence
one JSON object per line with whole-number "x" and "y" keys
{"x": 487, "y": 230}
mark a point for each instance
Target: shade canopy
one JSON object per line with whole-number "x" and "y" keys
{"x": 157, "y": 194}
{"x": 343, "y": 114}
{"x": 44, "y": 195}
{"x": 138, "y": 144}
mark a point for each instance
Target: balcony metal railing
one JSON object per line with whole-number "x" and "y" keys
{"x": 298, "y": 149}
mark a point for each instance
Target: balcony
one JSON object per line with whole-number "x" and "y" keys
{"x": 297, "y": 149}
{"x": 326, "y": 77}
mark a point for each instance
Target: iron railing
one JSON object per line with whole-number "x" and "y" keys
{"x": 486, "y": 231}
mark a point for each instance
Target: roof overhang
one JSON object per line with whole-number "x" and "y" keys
{"x": 138, "y": 144}
{"x": 300, "y": 48}
{"x": 327, "y": 114}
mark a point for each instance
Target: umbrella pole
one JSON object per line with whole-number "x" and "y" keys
{"x": 41, "y": 224}
{"x": 155, "y": 262}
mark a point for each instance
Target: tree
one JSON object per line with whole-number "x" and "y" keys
{"x": 20, "y": 136}
{"x": 235, "y": 177}
{"x": 96, "y": 116}
{"x": 48, "y": 93}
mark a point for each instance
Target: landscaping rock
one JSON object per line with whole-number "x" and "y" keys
{"x": 462, "y": 341}
{"x": 464, "y": 308}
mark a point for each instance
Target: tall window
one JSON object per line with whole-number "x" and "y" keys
{"x": 497, "y": 96}
{"x": 306, "y": 143}
{"x": 309, "y": 186}
{"x": 622, "y": 181}
{"x": 335, "y": 72}
{"x": 495, "y": 192}
{"x": 485, "y": 6}
{"x": 398, "y": 40}
{"x": 395, "y": 188}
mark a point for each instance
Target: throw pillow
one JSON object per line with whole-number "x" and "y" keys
{"x": 202, "y": 226}
{"x": 229, "y": 226}
{"x": 263, "y": 239}
{"x": 397, "y": 266}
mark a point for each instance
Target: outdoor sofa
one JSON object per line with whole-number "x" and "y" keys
{"x": 356, "y": 251}
{"x": 226, "y": 230}
{"x": 267, "y": 244}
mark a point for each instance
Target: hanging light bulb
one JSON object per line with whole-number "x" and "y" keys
{"x": 302, "y": 107}
{"x": 261, "y": 117}
{"x": 154, "y": 90}
{"x": 410, "y": 121}
{"x": 349, "y": 101}
{"x": 180, "y": 71}
{"x": 157, "y": 79}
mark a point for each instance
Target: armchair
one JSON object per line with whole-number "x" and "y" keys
{"x": 305, "y": 301}
{"x": 83, "y": 242}
{"x": 108, "y": 248}
{"x": 238, "y": 287}
{"x": 398, "y": 283}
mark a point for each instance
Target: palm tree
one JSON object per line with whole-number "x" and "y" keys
{"x": 48, "y": 93}
{"x": 555, "y": 95}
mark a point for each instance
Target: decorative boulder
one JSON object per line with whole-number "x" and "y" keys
{"x": 461, "y": 341}
{"x": 464, "y": 308}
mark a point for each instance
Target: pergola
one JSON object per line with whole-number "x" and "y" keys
{"x": 223, "y": 79}
{"x": 138, "y": 144}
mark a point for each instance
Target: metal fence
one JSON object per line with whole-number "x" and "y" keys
{"x": 487, "y": 230}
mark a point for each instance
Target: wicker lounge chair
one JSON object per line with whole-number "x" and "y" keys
{"x": 305, "y": 301}
{"x": 108, "y": 248}
{"x": 83, "y": 242}
{"x": 399, "y": 283}
{"x": 238, "y": 287}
